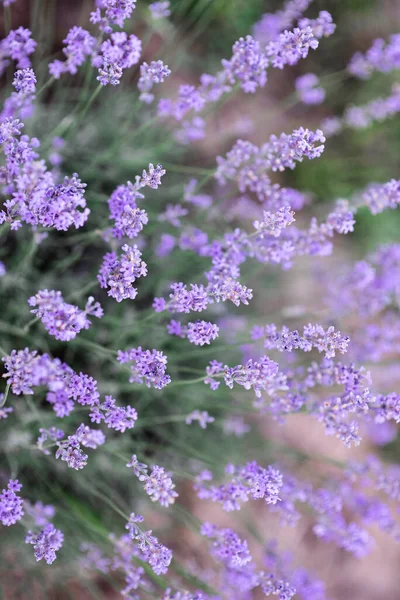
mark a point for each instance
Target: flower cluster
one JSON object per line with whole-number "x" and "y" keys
{"x": 70, "y": 451}
{"x": 270, "y": 25}
{"x": 112, "y": 12}
{"x": 260, "y": 376}
{"x": 46, "y": 543}
{"x": 149, "y": 366}
{"x": 17, "y": 46}
{"x": 115, "y": 417}
{"x": 157, "y": 484}
{"x": 249, "y": 481}
{"x": 79, "y": 45}
{"x": 116, "y": 54}
{"x": 36, "y": 198}
{"x": 382, "y": 57}
{"x": 314, "y": 336}
{"x": 20, "y": 103}
{"x": 198, "y": 333}
{"x": 11, "y": 505}
{"x": 155, "y": 72}
{"x": 151, "y": 551}
{"x": 119, "y": 274}
{"x": 63, "y": 320}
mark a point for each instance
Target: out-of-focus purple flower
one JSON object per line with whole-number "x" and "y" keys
{"x": 79, "y": 44}
{"x": 381, "y": 56}
{"x": 227, "y": 546}
{"x": 112, "y": 12}
{"x": 155, "y": 72}
{"x": 191, "y": 131}
{"x": 40, "y": 513}
{"x": 160, "y": 10}
{"x": 274, "y": 223}
{"x": 308, "y": 90}
{"x": 173, "y": 214}
{"x": 165, "y": 245}
{"x": 379, "y": 197}
{"x": 203, "y": 201}
{"x": 270, "y": 25}
{"x": 18, "y": 46}
{"x": 201, "y": 416}
{"x": 48, "y": 435}
{"x": 20, "y": 103}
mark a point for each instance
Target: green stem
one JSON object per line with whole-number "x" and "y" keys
{"x": 4, "y": 400}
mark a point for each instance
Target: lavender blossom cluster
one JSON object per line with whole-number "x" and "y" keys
{"x": 230, "y": 370}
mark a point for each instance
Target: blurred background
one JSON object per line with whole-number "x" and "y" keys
{"x": 196, "y": 37}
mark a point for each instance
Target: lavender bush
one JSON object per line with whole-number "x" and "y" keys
{"x": 150, "y": 357}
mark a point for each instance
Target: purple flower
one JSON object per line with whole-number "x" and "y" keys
{"x": 11, "y": 505}
{"x": 271, "y": 24}
{"x": 153, "y": 177}
{"x": 165, "y": 245}
{"x": 160, "y": 10}
{"x": 176, "y": 328}
{"x": 201, "y": 416}
{"x": 191, "y": 131}
{"x": 149, "y": 366}
{"x": 227, "y": 546}
{"x": 308, "y": 90}
{"x": 274, "y": 223}
{"x": 115, "y": 417}
{"x": 119, "y": 274}
{"x": 248, "y": 65}
{"x": 173, "y": 214}
{"x": 155, "y": 72}
{"x": 202, "y": 332}
{"x": 63, "y": 320}
{"x": 118, "y": 53}
{"x": 5, "y": 410}
{"x": 18, "y": 46}
{"x": 157, "y": 484}
{"x": 112, "y": 12}
{"x": 70, "y": 452}
{"x": 379, "y": 197}
{"x": 53, "y": 435}
{"x": 79, "y": 44}
{"x": 381, "y": 56}
{"x": 46, "y": 543}
{"x": 150, "y": 550}
{"x": 129, "y": 219}
{"x": 250, "y": 480}
{"x": 314, "y": 336}
{"x": 40, "y": 513}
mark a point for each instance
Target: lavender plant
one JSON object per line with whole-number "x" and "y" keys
{"x": 127, "y": 437}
